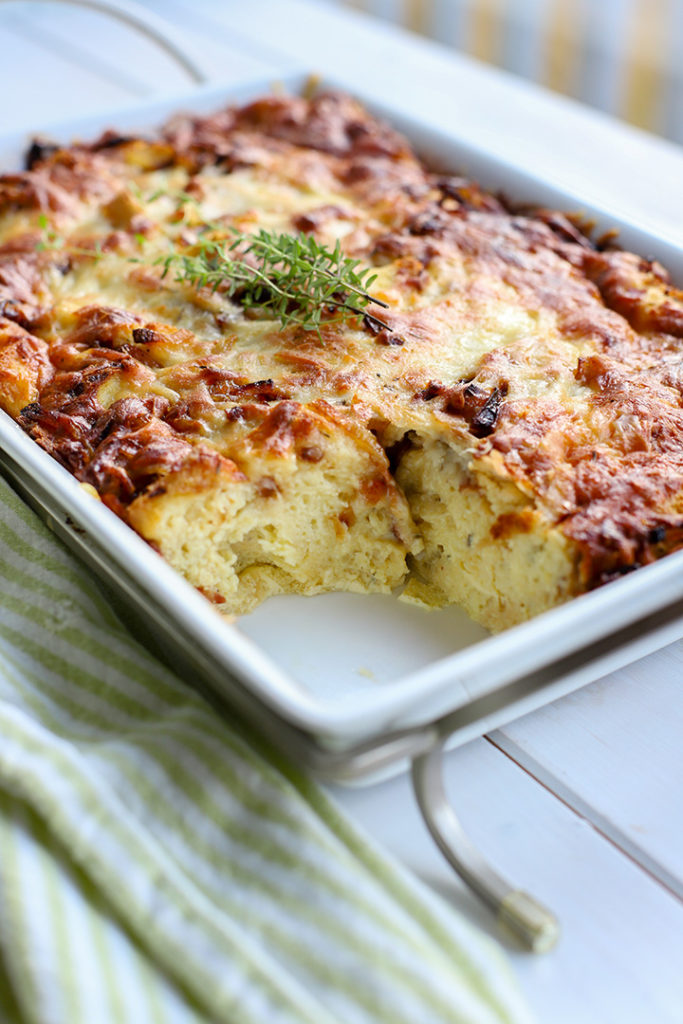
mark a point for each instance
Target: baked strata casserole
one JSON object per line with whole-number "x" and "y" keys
{"x": 503, "y": 432}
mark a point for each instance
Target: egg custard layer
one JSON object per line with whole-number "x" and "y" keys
{"x": 511, "y": 437}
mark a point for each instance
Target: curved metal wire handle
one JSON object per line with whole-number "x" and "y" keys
{"x": 145, "y": 22}
{"x": 516, "y": 911}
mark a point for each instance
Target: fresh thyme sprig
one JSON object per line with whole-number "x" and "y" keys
{"x": 292, "y": 277}
{"x": 52, "y": 241}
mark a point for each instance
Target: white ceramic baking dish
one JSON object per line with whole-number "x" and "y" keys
{"x": 345, "y": 684}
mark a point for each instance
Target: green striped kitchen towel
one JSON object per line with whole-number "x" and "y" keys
{"x": 156, "y": 867}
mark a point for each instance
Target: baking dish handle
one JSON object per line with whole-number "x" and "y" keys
{"x": 516, "y": 911}
{"x": 146, "y": 23}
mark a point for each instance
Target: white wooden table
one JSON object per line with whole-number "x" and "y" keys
{"x": 582, "y": 802}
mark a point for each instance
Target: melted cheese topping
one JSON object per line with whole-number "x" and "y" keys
{"x": 513, "y": 437}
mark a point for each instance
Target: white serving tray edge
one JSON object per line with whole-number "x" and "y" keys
{"x": 411, "y": 698}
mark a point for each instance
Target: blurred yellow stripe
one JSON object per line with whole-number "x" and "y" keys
{"x": 563, "y": 39}
{"x": 417, "y": 15}
{"x": 645, "y": 66}
{"x": 485, "y": 29}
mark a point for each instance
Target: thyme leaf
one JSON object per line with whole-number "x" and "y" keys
{"x": 52, "y": 241}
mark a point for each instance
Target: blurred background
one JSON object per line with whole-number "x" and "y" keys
{"x": 623, "y": 56}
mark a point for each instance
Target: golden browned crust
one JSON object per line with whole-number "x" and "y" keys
{"x": 535, "y": 373}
